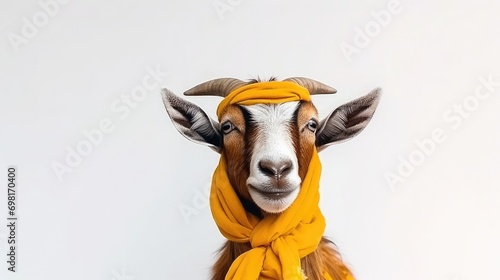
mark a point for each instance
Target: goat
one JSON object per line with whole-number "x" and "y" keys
{"x": 268, "y": 148}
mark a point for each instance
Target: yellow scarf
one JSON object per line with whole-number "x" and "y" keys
{"x": 278, "y": 241}
{"x": 266, "y": 93}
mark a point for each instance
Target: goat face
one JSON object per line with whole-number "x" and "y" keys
{"x": 268, "y": 147}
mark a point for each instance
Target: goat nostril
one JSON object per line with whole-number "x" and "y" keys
{"x": 284, "y": 168}
{"x": 267, "y": 167}
{"x": 278, "y": 169}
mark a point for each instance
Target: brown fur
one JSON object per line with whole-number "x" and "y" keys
{"x": 237, "y": 149}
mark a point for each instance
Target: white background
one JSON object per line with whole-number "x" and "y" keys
{"x": 117, "y": 214}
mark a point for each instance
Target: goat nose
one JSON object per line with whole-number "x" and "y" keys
{"x": 277, "y": 169}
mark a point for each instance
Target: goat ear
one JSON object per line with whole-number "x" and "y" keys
{"x": 191, "y": 121}
{"x": 347, "y": 121}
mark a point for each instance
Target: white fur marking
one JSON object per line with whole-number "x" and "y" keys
{"x": 273, "y": 143}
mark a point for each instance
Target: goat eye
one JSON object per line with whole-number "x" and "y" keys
{"x": 227, "y": 127}
{"x": 312, "y": 125}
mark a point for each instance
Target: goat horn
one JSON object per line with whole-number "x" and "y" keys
{"x": 218, "y": 87}
{"x": 313, "y": 86}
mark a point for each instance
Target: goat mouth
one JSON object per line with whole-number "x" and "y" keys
{"x": 272, "y": 194}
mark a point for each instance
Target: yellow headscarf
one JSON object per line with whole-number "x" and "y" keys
{"x": 278, "y": 241}
{"x": 266, "y": 93}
